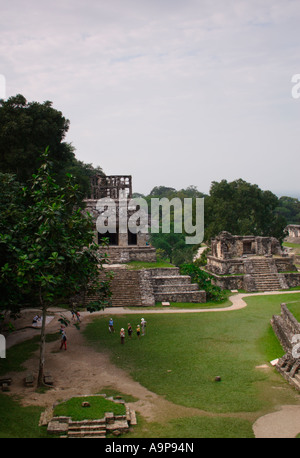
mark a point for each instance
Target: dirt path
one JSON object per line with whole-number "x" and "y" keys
{"x": 81, "y": 371}
{"x": 283, "y": 424}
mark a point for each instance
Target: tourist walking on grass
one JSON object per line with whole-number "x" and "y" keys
{"x": 129, "y": 330}
{"x": 143, "y": 325}
{"x": 138, "y": 331}
{"x": 122, "y": 336}
{"x": 111, "y": 325}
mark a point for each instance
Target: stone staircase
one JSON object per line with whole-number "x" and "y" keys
{"x": 286, "y": 327}
{"x": 116, "y": 425}
{"x": 169, "y": 285}
{"x": 265, "y": 277}
{"x": 289, "y": 368}
{"x": 87, "y": 428}
{"x": 125, "y": 288}
{"x": 136, "y": 288}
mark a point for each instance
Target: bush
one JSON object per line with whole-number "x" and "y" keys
{"x": 202, "y": 261}
{"x": 203, "y": 279}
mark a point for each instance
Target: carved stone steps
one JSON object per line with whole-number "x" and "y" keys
{"x": 98, "y": 428}
{"x": 265, "y": 278}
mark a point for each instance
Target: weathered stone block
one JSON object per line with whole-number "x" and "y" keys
{"x": 109, "y": 418}
{"x": 57, "y": 427}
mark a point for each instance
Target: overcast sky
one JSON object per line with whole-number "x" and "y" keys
{"x": 172, "y": 92}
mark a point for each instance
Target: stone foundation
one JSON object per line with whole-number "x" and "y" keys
{"x": 286, "y": 327}
{"x": 254, "y": 273}
{"x": 123, "y": 255}
{"x": 169, "y": 286}
{"x": 98, "y": 428}
{"x": 145, "y": 287}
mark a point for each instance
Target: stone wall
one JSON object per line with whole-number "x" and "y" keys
{"x": 225, "y": 266}
{"x": 285, "y": 327}
{"x": 293, "y": 230}
{"x": 254, "y": 273}
{"x": 292, "y": 279}
{"x": 170, "y": 286}
{"x": 285, "y": 264}
{"x": 145, "y": 287}
{"x": 228, "y": 246}
{"x": 228, "y": 281}
{"x": 124, "y": 255}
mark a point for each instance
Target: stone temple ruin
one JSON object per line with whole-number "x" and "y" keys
{"x": 123, "y": 247}
{"x": 293, "y": 233}
{"x": 142, "y": 287}
{"x": 251, "y": 263}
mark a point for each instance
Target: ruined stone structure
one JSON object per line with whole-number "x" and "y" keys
{"x": 251, "y": 263}
{"x": 65, "y": 427}
{"x": 145, "y": 287}
{"x": 124, "y": 246}
{"x": 293, "y": 235}
{"x": 112, "y": 186}
{"x": 135, "y": 287}
{"x": 286, "y": 327}
{"x": 293, "y": 230}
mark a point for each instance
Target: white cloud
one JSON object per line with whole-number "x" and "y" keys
{"x": 172, "y": 92}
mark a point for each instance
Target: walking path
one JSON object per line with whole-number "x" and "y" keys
{"x": 237, "y": 301}
{"x": 284, "y": 423}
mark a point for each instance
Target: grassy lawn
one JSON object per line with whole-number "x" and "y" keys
{"x": 98, "y": 406}
{"x": 181, "y": 354}
{"x": 179, "y": 358}
{"x": 295, "y": 246}
{"x": 19, "y": 353}
{"x": 17, "y": 421}
{"x": 194, "y": 427}
{"x": 294, "y": 307}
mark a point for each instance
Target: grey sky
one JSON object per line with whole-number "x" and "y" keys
{"x": 173, "y": 92}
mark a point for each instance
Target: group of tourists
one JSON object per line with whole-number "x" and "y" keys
{"x": 140, "y": 329}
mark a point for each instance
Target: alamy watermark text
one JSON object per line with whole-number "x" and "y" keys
{"x": 166, "y": 216}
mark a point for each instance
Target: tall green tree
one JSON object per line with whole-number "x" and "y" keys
{"x": 27, "y": 129}
{"x": 173, "y": 244}
{"x": 242, "y": 208}
{"x": 289, "y": 208}
{"x": 48, "y": 255}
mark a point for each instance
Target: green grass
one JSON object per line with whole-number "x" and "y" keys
{"x": 98, "y": 406}
{"x": 294, "y": 307}
{"x": 194, "y": 427}
{"x": 17, "y": 421}
{"x": 181, "y": 354}
{"x": 178, "y": 358}
{"x": 19, "y": 353}
{"x": 295, "y": 246}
